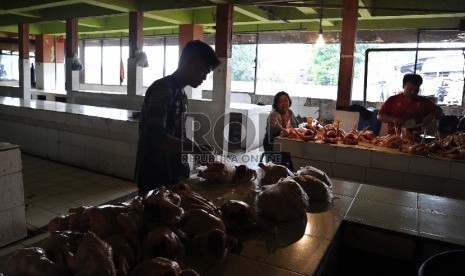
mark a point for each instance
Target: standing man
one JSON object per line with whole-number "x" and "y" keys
{"x": 162, "y": 133}
{"x": 408, "y": 109}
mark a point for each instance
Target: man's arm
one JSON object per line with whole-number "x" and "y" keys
{"x": 390, "y": 119}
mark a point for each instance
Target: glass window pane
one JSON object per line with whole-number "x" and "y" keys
{"x": 92, "y": 61}
{"x": 285, "y": 67}
{"x": 111, "y": 62}
{"x": 243, "y": 67}
{"x": 172, "y": 57}
{"x": 9, "y": 64}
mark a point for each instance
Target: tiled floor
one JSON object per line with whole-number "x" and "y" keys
{"x": 51, "y": 188}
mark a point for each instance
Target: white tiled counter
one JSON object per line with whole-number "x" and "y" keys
{"x": 96, "y": 138}
{"x": 384, "y": 167}
{"x": 12, "y": 209}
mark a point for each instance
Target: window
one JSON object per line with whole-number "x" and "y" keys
{"x": 111, "y": 57}
{"x": 442, "y": 70}
{"x": 155, "y": 50}
{"x": 93, "y": 61}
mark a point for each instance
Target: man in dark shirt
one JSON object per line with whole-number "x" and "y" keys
{"x": 162, "y": 134}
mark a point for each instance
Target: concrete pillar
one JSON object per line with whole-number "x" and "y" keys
{"x": 219, "y": 109}
{"x": 187, "y": 33}
{"x": 136, "y": 40}
{"x": 24, "y": 64}
{"x": 346, "y": 65}
{"x": 45, "y": 62}
{"x": 71, "y": 45}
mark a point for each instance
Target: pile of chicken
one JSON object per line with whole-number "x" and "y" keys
{"x": 286, "y": 195}
{"x": 328, "y": 133}
{"x": 227, "y": 172}
{"x": 452, "y": 146}
{"x": 150, "y": 235}
{"x": 145, "y": 236}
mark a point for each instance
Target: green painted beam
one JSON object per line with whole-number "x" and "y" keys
{"x": 172, "y": 17}
{"x": 28, "y": 5}
{"x": 116, "y": 5}
{"x": 252, "y": 12}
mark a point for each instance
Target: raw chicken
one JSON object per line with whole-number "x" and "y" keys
{"x": 273, "y": 172}
{"x": 161, "y": 267}
{"x": 192, "y": 200}
{"x": 163, "y": 206}
{"x": 214, "y": 245}
{"x": 239, "y": 216}
{"x": 161, "y": 242}
{"x": 321, "y": 175}
{"x": 219, "y": 172}
{"x": 282, "y": 201}
{"x": 93, "y": 257}
{"x": 315, "y": 188}
{"x": 244, "y": 174}
{"x": 197, "y": 221}
{"x": 124, "y": 255}
{"x": 54, "y": 244}
{"x": 31, "y": 261}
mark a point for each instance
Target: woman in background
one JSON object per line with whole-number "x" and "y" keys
{"x": 280, "y": 118}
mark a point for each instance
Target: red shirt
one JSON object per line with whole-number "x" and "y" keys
{"x": 398, "y": 106}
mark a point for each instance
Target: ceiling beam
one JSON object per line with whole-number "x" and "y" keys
{"x": 252, "y": 12}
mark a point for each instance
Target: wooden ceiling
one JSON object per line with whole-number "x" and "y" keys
{"x": 107, "y": 18}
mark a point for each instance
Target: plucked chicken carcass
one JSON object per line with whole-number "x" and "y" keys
{"x": 220, "y": 172}
{"x": 315, "y": 188}
{"x": 31, "y": 261}
{"x": 239, "y": 216}
{"x": 282, "y": 201}
{"x": 198, "y": 221}
{"x": 214, "y": 245}
{"x": 100, "y": 220}
{"x": 93, "y": 257}
{"x": 161, "y": 242}
{"x": 321, "y": 175}
{"x": 163, "y": 206}
{"x": 54, "y": 244}
{"x": 161, "y": 267}
{"x": 273, "y": 172}
{"x": 193, "y": 200}
{"x": 124, "y": 255}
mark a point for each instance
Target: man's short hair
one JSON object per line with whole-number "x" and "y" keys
{"x": 201, "y": 50}
{"x": 412, "y": 78}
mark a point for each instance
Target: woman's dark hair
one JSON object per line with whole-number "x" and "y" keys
{"x": 201, "y": 50}
{"x": 276, "y": 99}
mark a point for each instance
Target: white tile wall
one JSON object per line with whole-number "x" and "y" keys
{"x": 353, "y": 156}
{"x": 457, "y": 170}
{"x": 10, "y": 161}
{"x": 388, "y": 161}
{"x": 321, "y": 152}
{"x": 384, "y": 177}
{"x": 454, "y": 188}
{"x": 91, "y": 159}
{"x": 423, "y": 183}
{"x": 12, "y": 209}
{"x": 429, "y": 166}
{"x": 350, "y": 172}
{"x": 416, "y": 173}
